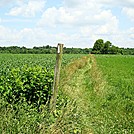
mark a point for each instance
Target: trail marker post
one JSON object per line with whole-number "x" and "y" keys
{"x": 56, "y": 77}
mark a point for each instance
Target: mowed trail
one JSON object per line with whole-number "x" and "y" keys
{"x": 74, "y": 85}
{"x": 81, "y": 79}
{"x": 81, "y": 76}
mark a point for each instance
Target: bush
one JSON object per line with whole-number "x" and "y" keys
{"x": 30, "y": 84}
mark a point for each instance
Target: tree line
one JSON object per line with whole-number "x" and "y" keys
{"x": 43, "y": 50}
{"x": 101, "y": 47}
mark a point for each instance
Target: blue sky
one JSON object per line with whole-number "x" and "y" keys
{"x": 76, "y": 23}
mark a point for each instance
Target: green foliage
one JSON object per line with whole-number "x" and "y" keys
{"x": 28, "y": 77}
{"x": 127, "y": 51}
{"x": 106, "y": 48}
{"x": 76, "y": 50}
{"x": 98, "y": 46}
{"x": 19, "y": 118}
{"x": 31, "y": 84}
{"x": 106, "y": 111}
{"x": 25, "y": 85}
{"x": 23, "y": 118}
{"x": 42, "y": 50}
{"x": 101, "y": 47}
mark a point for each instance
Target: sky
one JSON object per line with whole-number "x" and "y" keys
{"x": 75, "y": 23}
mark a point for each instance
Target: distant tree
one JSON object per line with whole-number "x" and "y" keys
{"x": 106, "y": 47}
{"x": 113, "y": 50}
{"x": 98, "y": 46}
{"x": 127, "y": 51}
{"x": 101, "y": 47}
{"x": 87, "y": 50}
{"x": 47, "y": 47}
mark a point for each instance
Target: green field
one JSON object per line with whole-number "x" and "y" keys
{"x": 117, "y": 104}
{"x": 95, "y": 94}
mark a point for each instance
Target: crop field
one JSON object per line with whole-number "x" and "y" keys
{"x": 25, "y": 84}
{"x": 44, "y": 60}
{"x": 96, "y": 94}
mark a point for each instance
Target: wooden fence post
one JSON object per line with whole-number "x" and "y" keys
{"x": 56, "y": 77}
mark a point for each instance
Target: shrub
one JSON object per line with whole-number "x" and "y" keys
{"x": 30, "y": 84}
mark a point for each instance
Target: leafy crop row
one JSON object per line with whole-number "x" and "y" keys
{"x": 30, "y": 84}
{"x": 28, "y": 77}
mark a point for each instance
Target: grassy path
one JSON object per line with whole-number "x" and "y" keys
{"x": 77, "y": 84}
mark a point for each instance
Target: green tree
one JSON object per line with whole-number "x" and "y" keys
{"x": 106, "y": 48}
{"x": 98, "y": 46}
{"x": 101, "y": 47}
{"x": 115, "y": 50}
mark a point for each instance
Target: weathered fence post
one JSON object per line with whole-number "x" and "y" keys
{"x": 56, "y": 77}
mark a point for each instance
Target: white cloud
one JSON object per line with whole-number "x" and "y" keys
{"x": 15, "y": 20}
{"x": 8, "y": 35}
{"x": 86, "y": 23}
{"x": 5, "y": 2}
{"x": 108, "y": 24}
{"x": 27, "y": 9}
{"x": 116, "y": 3}
{"x": 80, "y": 15}
{"x": 61, "y": 16}
{"x": 84, "y": 38}
{"x": 103, "y": 3}
{"x": 129, "y": 12}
